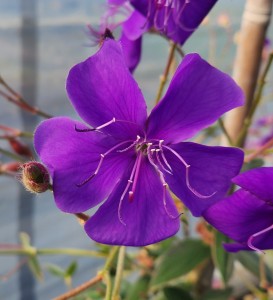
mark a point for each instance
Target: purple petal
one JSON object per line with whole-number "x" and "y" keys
{"x": 210, "y": 173}
{"x": 197, "y": 96}
{"x": 258, "y": 182}
{"x": 240, "y": 216}
{"x": 145, "y": 217}
{"x": 72, "y": 157}
{"x": 177, "y": 23}
{"x": 132, "y": 51}
{"x": 102, "y": 88}
{"x": 191, "y": 17}
{"x": 135, "y": 26}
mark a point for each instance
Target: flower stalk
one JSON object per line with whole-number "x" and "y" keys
{"x": 98, "y": 278}
{"x": 12, "y": 155}
{"x": 18, "y": 100}
{"x": 50, "y": 251}
{"x": 118, "y": 279}
{"x": 255, "y": 21}
{"x": 164, "y": 76}
{"x": 248, "y": 120}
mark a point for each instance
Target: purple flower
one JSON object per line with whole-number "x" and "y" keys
{"x": 247, "y": 215}
{"x": 133, "y": 161}
{"x": 177, "y": 19}
{"x": 174, "y": 19}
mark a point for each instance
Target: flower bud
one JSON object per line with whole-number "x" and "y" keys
{"x": 35, "y": 177}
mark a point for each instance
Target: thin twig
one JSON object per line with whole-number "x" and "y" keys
{"x": 256, "y": 102}
{"x": 80, "y": 288}
{"x": 222, "y": 126}
{"x": 259, "y": 151}
{"x": 164, "y": 76}
{"x": 118, "y": 279}
{"x": 18, "y": 100}
{"x": 108, "y": 281}
{"x": 82, "y": 218}
{"x": 12, "y": 155}
{"x": 92, "y": 281}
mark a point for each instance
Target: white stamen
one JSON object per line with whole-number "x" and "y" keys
{"x": 130, "y": 181}
{"x": 102, "y": 156}
{"x": 131, "y": 146}
{"x": 187, "y": 166}
{"x": 249, "y": 242}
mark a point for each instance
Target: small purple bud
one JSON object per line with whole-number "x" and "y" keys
{"x": 35, "y": 177}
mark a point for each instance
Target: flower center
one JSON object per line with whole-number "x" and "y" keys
{"x": 153, "y": 150}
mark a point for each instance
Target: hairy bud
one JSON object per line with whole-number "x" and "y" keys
{"x": 35, "y": 177}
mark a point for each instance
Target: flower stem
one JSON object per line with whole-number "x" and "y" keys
{"x": 12, "y": 155}
{"x": 256, "y": 102}
{"x": 259, "y": 151}
{"x": 118, "y": 279}
{"x": 80, "y": 288}
{"x": 93, "y": 281}
{"x": 108, "y": 286}
{"x": 164, "y": 76}
{"x": 262, "y": 269}
{"x": 18, "y": 100}
{"x": 222, "y": 126}
{"x": 49, "y": 251}
{"x": 82, "y": 218}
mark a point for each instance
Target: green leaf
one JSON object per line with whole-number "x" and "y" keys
{"x": 180, "y": 259}
{"x": 174, "y": 293}
{"x": 71, "y": 269}
{"x": 138, "y": 290}
{"x": 223, "y": 260}
{"x": 56, "y": 270}
{"x": 33, "y": 262}
{"x": 217, "y": 294}
{"x": 251, "y": 261}
{"x": 35, "y": 267}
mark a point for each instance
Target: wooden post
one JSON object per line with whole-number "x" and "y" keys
{"x": 255, "y": 21}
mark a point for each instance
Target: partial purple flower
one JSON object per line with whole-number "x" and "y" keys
{"x": 247, "y": 215}
{"x": 133, "y": 161}
{"x": 174, "y": 19}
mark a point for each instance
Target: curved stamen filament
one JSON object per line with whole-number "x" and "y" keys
{"x": 131, "y": 146}
{"x": 179, "y": 15}
{"x": 250, "y": 240}
{"x": 165, "y": 202}
{"x": 163, "y": 155}
{"x": 187, "y": 166}
{"x": 164, "y": 184}
{"x": 157, "y": 151}
{"x": 96, "y": 128}
{"x": 102, "y": 156}
{"x": 130, "y": 181}
{"x": 114, "y": 120}
{"x": 94, "y": 174}
{"x": 194, "y": 190}
{"x": 131, "y": 193}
